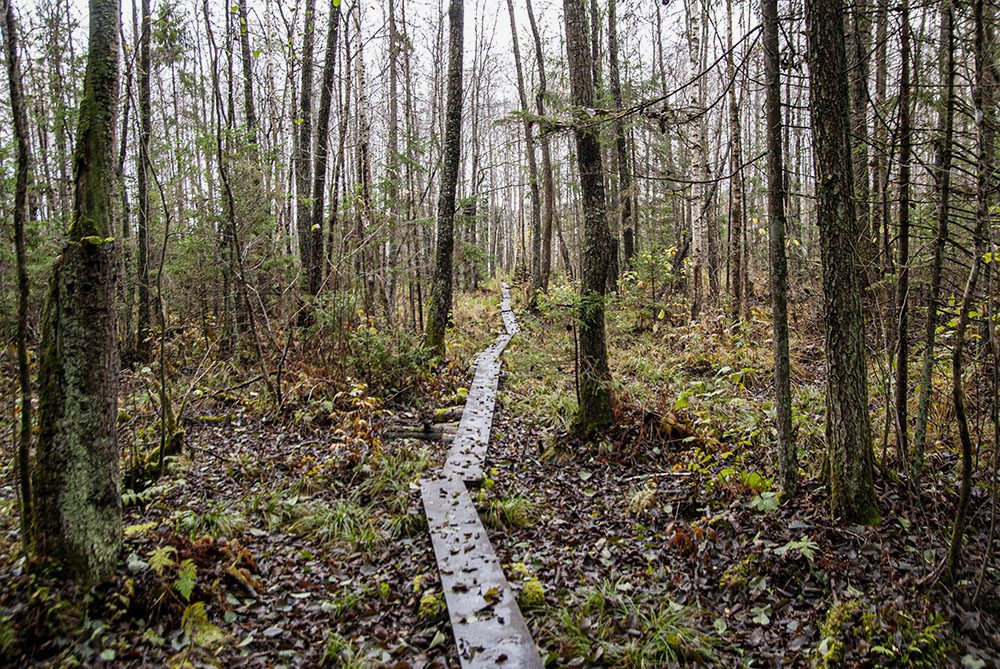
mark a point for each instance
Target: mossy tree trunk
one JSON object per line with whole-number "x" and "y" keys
{"x": 848, "y": 423}
{"x": 77, "y": 481}
{"x": 440, "y": 304}
{"x": 594, "y": 413}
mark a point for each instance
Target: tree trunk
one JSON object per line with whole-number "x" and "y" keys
{"x": 529, "y": 144}
{"x": 787, "y": 464}
{"x": 392, "y": 162}
{"x": 985, "y": 117}
{"x": 142, "y": 346}
{"x": 736, "y": 221}
{"x": 699, "y": 164}
{"x": 594, "y": 413}
{"x": 848, "y": 424}
{"x": 440, "y": 302}
{"x": 624, "y": 172}
{"x": 247, "y": 58}
{"x": 78, "y": 507}
{"x": 13, "y": 57}
{"x": 547, "y": 180}
{"x": 314, "y": 266}
{"x": 946, "y": 127}
{"x": 303, "y": 146}
{"x": 903, "y": 285}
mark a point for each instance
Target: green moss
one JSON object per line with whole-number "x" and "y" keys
{"x": 430, "y": 606}
{"x": 418, "y": 583}
{"x": 532, "y": 594}
{"x": 740, "y": 573}
{"x": 832, "y": 633}
{"x": 96, "y": 240}
{"x": 520, "y": 570}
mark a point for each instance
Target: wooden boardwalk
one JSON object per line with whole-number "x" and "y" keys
{"x": 485, "y": 619}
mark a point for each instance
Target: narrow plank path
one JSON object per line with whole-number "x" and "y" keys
{"x": 485, "y": 619}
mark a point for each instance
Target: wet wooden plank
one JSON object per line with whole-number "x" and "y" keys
{"x": 486, "y": 621}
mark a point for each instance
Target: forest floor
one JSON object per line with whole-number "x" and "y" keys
{"x": 300, "y": 539}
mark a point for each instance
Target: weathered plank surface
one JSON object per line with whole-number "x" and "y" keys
{"x": 487, "y": 624}
{"x": 485, "y": 619}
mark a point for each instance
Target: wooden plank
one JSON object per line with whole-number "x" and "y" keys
{"x": 485, "y": 619}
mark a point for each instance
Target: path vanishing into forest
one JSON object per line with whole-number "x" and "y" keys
{"x": 487, "y": 624}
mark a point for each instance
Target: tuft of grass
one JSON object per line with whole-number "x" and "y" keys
{"x": 633, "y": 631}
{"x": 216, "y": 522}
{"x": 392, "y": 472}
{"x": 343, "y": 523}
{"x": 344, "y": 652}
{"x": 508, "y": 512}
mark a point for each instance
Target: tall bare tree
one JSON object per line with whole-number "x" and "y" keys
{"x": 303, "y": 139}
{"x": 942, "y": 174}
{"x": 787, "y": 464}
{"x": 848, "y": 423}
{"x": 143, "y": 340}
{"x": 621, "y": 147}
{"x": 314, "y": 263}
{"x": 440, "y": 302}
{"x": 984, "y": 102}
{"x": 902, "y": 385}
{"x": 548, "y": 181}
{"x": 12, "y": 55}
{"x": 594, "y": 413}
{"x": 529, "y": 147}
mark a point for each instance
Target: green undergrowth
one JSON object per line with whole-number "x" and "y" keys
{"x": 873, "y": 632}
{"x": 615, "y": 623}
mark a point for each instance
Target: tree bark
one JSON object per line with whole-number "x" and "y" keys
{"x": 903, "y": 284}
{"x": 736, "y": 221}
{"x": 440, "y": 302}
{"x": 848, "y": 424}
{"x": 946, "y": 127}
{"x": 303, "y": 146}
{"x": 314, "y": 265}
{"x": 77, "y": 479}
{"x": 529, "y": 144}
{"x": 594, "y": 413}
{"x": 547, "y": 180}
{"x": 984, "y": 102}
{"x": 142, "y": 345}
{"x": 787, "y": 463}
{"x": 624, "y": 171}
{"x": 14, "y": 86}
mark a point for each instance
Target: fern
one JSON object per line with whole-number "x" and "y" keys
{"x": 161, "y": 557}
{"x": 185, "y": 581}
{"x": 806, "y": 546}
